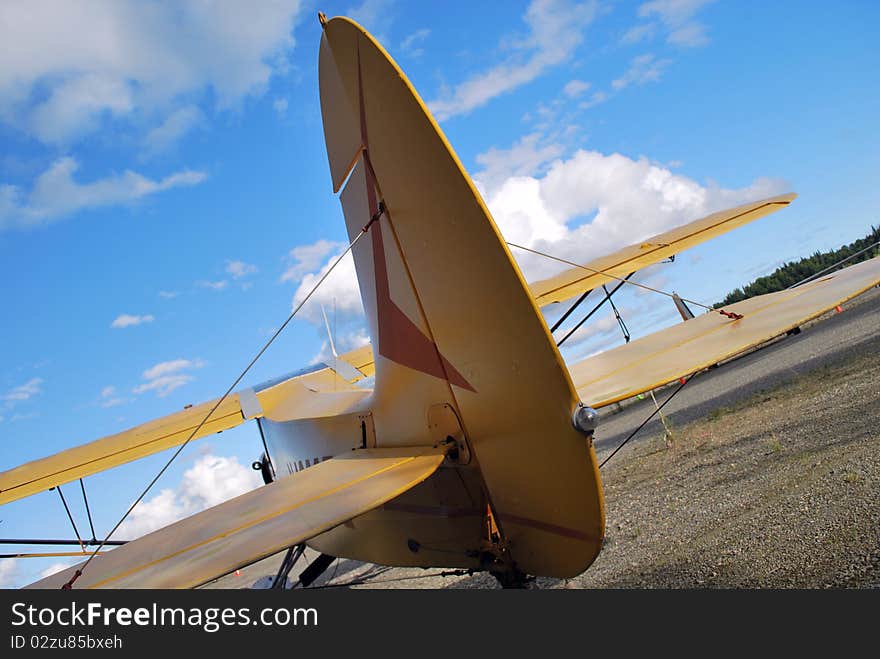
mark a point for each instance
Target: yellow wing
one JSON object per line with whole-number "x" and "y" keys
{"x": 259, "y": 523}
{"x": 315, "y": 394}
{"x": 685, "y": 348}
{"x": 575, "y": 281}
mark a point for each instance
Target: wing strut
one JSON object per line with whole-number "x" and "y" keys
{"x": 605, "y": 299}
{"x": 570, "y": 310}
{"x": 623, "y": 327}
{"x": 70, "y": 517}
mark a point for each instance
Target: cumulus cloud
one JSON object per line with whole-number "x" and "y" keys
{"x": 210, "y": 481}
{"x": 178, "y": 123}
{"x": 339, "y": 292}
{"x": 67, "y": 67}
{"x": 127, "y": 320}
{"x": 593, "y": 203}
{"x": 642, "y": 69}
{"x": 165, "y": 377}
{"x": 525, "y": 157}
{"x": 555, "y": 31}
{"x": 280, "y": 106}
{"x": 639, "y": 33}
{"x": 577, "y": 208}
{"x": 56, "y": 194}
{"x": 675, "y": 17}
{"x": 55, "y": 567}
{"x": 24, "y": 391}
{"x": 213, "y": 285}
{"x": 375, "y": 15}
{"x": 306, "y": 258}
{"x": 410, "y": 45}
{"x": 109, "y": 398}
{"x": 575, "y": 88}
{"x": 239, "y": 269}
{"x": 596, "y": 98}
{"x": 8, "y": 573}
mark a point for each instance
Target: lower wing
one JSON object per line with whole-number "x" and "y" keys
{"x": 318, "y": 393}
{"x": 259, "y": 523}
{"x": 686, "y": 348}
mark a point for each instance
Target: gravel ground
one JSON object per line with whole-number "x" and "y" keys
{"x": 772, "y": 479}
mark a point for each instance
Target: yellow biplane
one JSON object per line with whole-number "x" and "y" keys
{"x": 474, "y": 447}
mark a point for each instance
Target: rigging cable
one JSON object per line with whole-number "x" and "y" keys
{"x": 734, "y": 316}
{"x": 364, "y": 229}
{"x": 656, "y": 411}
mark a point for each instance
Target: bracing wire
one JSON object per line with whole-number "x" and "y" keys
{"x": 265, "y": 347}
{"x": 610, "y": 276}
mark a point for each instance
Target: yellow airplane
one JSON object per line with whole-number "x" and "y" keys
{"x": 474, "y": 447}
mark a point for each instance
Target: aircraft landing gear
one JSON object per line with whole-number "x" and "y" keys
{"x": 495, "y": 559}
{"x": 513, "y": 578}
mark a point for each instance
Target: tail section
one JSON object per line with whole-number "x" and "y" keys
{"x": 452, "y": 322}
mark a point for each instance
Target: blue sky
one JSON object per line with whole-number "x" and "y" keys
{"x": 165, "y": 196}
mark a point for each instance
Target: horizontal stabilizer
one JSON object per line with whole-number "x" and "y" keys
{"x": 578, "y": 280}
{"x": 259, "y": 523}
{"x": 314, "y": 394}
{"x": 685, "y": 348}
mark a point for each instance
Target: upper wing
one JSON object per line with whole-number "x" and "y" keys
{"x": 577, "y": 280}
{"x": 685, "y": 348}
{"x": 314, "y": 394}
{"x": 259, "y": 523}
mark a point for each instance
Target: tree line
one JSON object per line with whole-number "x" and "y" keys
{"x": 791, "y": 273}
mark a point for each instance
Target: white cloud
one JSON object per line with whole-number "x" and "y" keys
{"x": 67, "y": 67}
{"x": 280, "y": 106}
{"x": 173, "y": 366}
{"x": 210, "y": 481}
{"x": 642, "y": 69}
{"x": 164, "y": 385}
{"x": 575, "y": 88}
{"x": 525, "y": 157}
{"x": 639, "y": 33}
{"x": 307, "y": 258}
{"x": 165, "y": 377}
{"x": 213, "y": 285}
{"x": 55, "y": 567}
{"x": 677, "y": 17}
{"x": 555, "y": 30}
{"x": 375, "y": 15}
{"x": 239, "y": 269}
{"x": 24, "y": 391}
{"x": 339, "y": 293}
{"x": 596, "y": 98}
{"x": 8, "y": 573}
{"x": 168, "y": 295}
{"x": 127, "y": 320}
{"x": 109, "y": 397}
{"x": 592, "y": 203}
{"x": 178, "y": 123}
{"x": 409, "y": 45}
{"x": 55, "y": 193}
